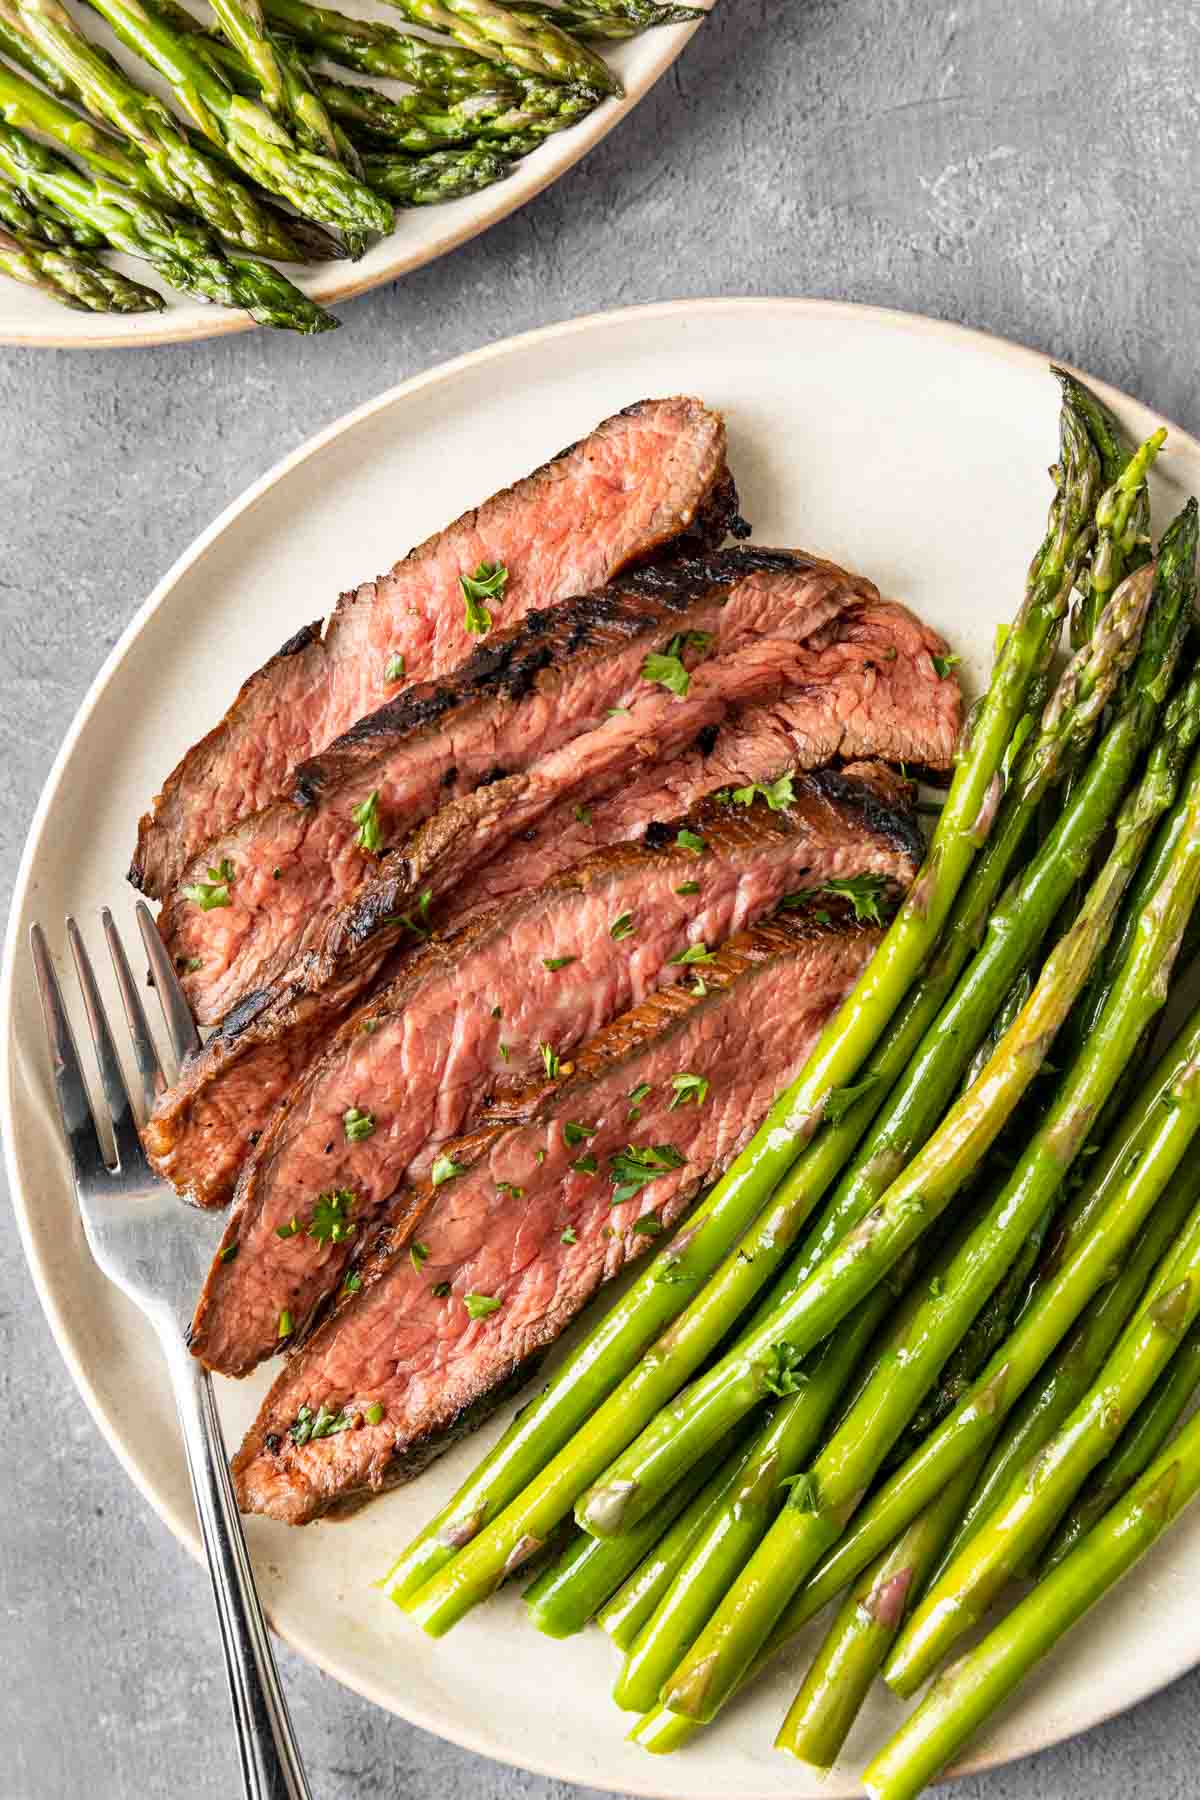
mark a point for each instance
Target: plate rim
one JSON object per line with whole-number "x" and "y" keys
{"x": 181, "y": 1527}
{"x": 532, "y": 176}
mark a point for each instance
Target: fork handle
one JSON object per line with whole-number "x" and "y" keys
{"x": 270, "y": 1759}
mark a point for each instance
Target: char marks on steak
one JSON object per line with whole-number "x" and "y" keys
{"x": 525, "y": 828}
{"x": 653, "y": 475}
{"x": 497, "y": 1230}
{"x": 550, "y": 966}
{"x": 748, "y": 618}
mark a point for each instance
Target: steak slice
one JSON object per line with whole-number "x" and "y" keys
{"x": 529, "y": 826}
{"x": 650, "y": 476}
{"x": 522, "y": 695}
{"x": 411, "y": 1068}
{"x": 496, "y": 1230}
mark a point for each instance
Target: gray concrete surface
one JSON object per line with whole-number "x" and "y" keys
{"x": 1027, "y": 166}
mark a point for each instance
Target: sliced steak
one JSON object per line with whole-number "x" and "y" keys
{"x": 519, "y": 697}
{"x": 411, "y": 1068}
{"x": 406, "y": 1341}
{"x": 653, "y": 475}
{"x": 530, "y": 826}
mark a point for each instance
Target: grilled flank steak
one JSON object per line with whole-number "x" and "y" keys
{"x": 653, "y": 642}
{"x": 525, "y": 827}
{"x": 528, "y": 980}
{"x": 651, "y": 476}
{"x": 477, "y": 1272}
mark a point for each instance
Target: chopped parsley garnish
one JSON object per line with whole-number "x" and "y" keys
{"x": 688, "y": 840}
{"x": 322, "y": 1424}
{"x": 668, "y": 671}
{"x": 511, "y": 1189}
{"x": 285, "y": 1323}
{"x": 496, "y": 1013}
{"x": 649, "y": 1225}
{"x": 777, "y": 794}
{"x": 418, "y": 1256}
{"x": 352, "y": 1283}
{"x": 366, "y": 817}
{"x": 840, "y": 1100}
{"x": 584, "y": 814}
{"x": 863, "y": 891}
{"x": 630, "y": 1169}
{"x": 568, "y": 1236}
{"x": 575, "y": 1133}
{"x": 549, "y": 1059}
{"x": 689, "y": 1087}
{"x": 416, "y": 920}
{"x": 636, "y": 1096}
{"x": 781, "y": 1371}
{"x": 688, "y": 887}
{"x": 699, "y": 987}
{"x": 394, "y": 668}
{"x": 228, "y": 1253}
{"x": 557, "y": 962}
{"x": 330, "y": 1223}
{"x": 695, "y": 953}
{"x": 487, "y": 583}
{"x": 669, "y": 1273}
{"x": 586, "y": 1165}
{"x": 622, "y": 926}
{"x": 480, "y": 1305}
{"x": 192, "y": 964}
{"x": 445, "y": 1169}
{"x": 804, "y": 1495}
{"x": 539, "y": 1157}
{"x": 440, "y": 1289}
{"x": 944, "y": 664}
{"x": 288, "y": 1230}
{"x": 214, "y": 891}
{"x": 357, "y": 1124}
{"x": 616, "y": 712}
{"x": 373, "y": 1414}
{"x": 503, "y": 1052}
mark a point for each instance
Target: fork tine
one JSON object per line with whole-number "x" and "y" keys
{"x": 112, "y": 1076}
{"x": 177, "y": 1014}
{"x": 74, "y": 1105}
{"x": 145, "y": 1050}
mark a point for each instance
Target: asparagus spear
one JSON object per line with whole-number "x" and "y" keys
{"x": 1154, "y": 1132}
{"x": 1122, "y": 541}
{"x": 442, "y": 175}
{"x": 853, "y": 1650}
{"x": 634, "y": 1602}
{"x": 620, "y": 1340}
{"x": 967, "y": 1694}
{"x": 613, "y": 19}
{"x": 72, "y": 277}
{"x": 376, "y": 49}
{"x": 188, "y": 176}
{"x": 538, "y": 48}
{"x": 182, "y": 252}
{"x": 280, "y": 77}
{"x": 571, "y": 1590}
{"x": 1041, "y": 1492}
{"x": 1156, "y": 1419}
{"x": 316, "y": 186}
{"x": 44, "y": 223}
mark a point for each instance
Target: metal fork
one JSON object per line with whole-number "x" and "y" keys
{"x": 140, "y": 1238}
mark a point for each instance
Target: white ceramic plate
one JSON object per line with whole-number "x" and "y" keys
{"x": 421, "y": 233}
{"x": 912, "y": 450}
